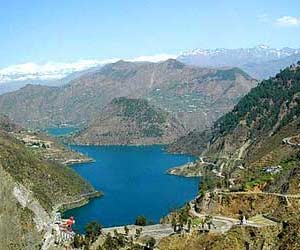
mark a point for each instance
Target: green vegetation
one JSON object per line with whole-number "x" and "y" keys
{"x": 139, "y": 109}
{"x": 141, "y": 221}
{"x": 130, "y": 121}
{"x": 152, "y": 131}
{"x": 254, "y": 182}
{"x": 229, "y": 74}
{"x": 264, "y": 103}
{"x": 92, "y": 230}
{"x": 43, "y": 178}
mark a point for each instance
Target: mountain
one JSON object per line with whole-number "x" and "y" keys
{"x": 17, "y": 76}
{"x": 13, "y": 85}
{"x": 196, "y": 96}
{"x": 250, "y": 163}
{"x": 264, "y": 70}
{"x": 32, "y": 189}
{"x": 260, "y": 62}
{"x": 251, "y": 136}
{"x": 130, "y": 121}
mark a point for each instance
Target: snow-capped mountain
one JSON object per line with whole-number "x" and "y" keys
{"x": 234, "y": 57}
{"x": 260, "y": 62}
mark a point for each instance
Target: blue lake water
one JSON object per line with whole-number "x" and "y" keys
{"x": 134, "y": 182}
{"x": 61, "y": 131}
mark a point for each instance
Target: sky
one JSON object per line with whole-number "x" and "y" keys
{"x": 35, "y": 31}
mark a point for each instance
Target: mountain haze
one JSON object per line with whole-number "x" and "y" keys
{"x": 196, "y": 96}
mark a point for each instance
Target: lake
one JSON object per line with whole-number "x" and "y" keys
{"x": 134, "y": 182}
{"x": 61, "y": 131}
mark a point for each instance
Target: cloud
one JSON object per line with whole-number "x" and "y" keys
{"x": 58, "y": 70}
{"x": 288, "y": 21}
{"x": 47, "y": 71}
{"x": 155, "y": 58}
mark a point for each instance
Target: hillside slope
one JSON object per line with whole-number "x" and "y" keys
{"x": 197, "y": 96}
{"x": 30, "y": 189}
{"x": 250, "y": 168}
{"x": 251, "y": 137}
{"x": 131, "y": 121}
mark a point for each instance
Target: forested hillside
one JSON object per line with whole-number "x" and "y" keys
{"x": 131, "y": 121}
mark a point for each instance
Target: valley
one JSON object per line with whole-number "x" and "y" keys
{"x": 150, "y": 125}
{"x": 243, "y": 175}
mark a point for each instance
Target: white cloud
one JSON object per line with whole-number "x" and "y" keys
{"x": 57, "y": 70}
{"x": 155, "y": 58}
{"x": 51, "y": 70}
{"x": 288, "y": 21}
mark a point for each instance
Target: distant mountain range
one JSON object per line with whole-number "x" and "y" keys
{"x": 260, "y": 62}
{"x": 196, "y": 96}
{"x": 17, "y": 76}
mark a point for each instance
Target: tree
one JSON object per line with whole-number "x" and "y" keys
{"x": 150, "y": 244}
{"x": 174, "y": 224}
{"x": 141, "y": 221}
{"x": 202, "y": 223}
{"x": 138, "y": 232}
{"x": 208, "y": 221}
{"x": 126, "y": 229}
{"x": 78, "y": 241}
{"x": 109, "y": 243}
{"x": 92, "y": 230}
{"x": 189, "y": 223}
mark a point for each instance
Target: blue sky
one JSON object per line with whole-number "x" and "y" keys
{"x": 63, "y": 31}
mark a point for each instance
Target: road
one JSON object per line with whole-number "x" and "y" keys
{"x": 262, "y": 193}
{"x": 287, "y": 140}
{"x": 223, "y": 224}
{"x": 156, "y": 231}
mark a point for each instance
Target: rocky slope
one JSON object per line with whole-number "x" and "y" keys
{"x": 197, "y": 96}
{"x": 130, "y": 121}
{"x": 30, "y": 189}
